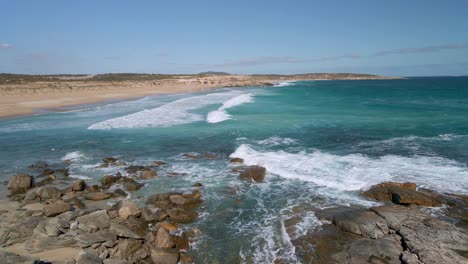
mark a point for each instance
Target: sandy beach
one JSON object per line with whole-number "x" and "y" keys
{"x": 27, "y": 97}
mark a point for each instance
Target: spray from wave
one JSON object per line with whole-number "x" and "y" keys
{"x": 355, "y": 171}
{"x": 221, "y": 115}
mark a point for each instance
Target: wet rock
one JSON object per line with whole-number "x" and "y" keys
{"x": 400, "y": 193}
{"x": 108, "y": 180}
{"x": 182, "y": 242}
{"x": 164, "y": 256}
{"x": 56, "y": 208}
{"x": 129, "y": 209}
{"x": 120, "y": 192}
{"x": 236, "y": 160}
{"x": 198, "y": 185}
{"x": 181, "y": 200}
{"x": 133, "y": 186}
{"x": 39, "y": 165}
{"x": 253, "y": 173}
{"x": 48, "y": 179}
{"x": 97, "y": 196}
{"x": 179, "y": 215}
{"x": 79, "y": 186}
{"x": 134, "y": 169}
{"x": 186, "y": 259}
{"x": 208, "y": 155}
{"x": 190, "y": 156}
{"x": 109, "y": 160}
{"x": 159, "y": 163}
{"x": 168, "y": 226}
{"x": 62, "y": 173}
{"x": 20, "y": 183}
{"x": 145, "y": 175}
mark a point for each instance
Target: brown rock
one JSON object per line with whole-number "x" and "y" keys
{"x": 78, "y": 186}
{"x": 401, "y": 193}
{"x": 148, "y": 174}
{"x": 159, "y": 163}
{"x": 20, "y": 183}
{"x": 97, "y": 196}
{"x": 181, "y": 215}
{"x": 109, "y": 160}
{"x": 133, "y": 186}
{"x": 164, "y": 256}
{"x": 55, "y": 208}
{"x": 108, "y": 180}
{"x": 128, "y": 209}
{"x": 163, "y": 239}
{"x": 236, "y": 160}
{"x": 198, "y": 185}
{"x": 191, "y": 156}
{"x": 168, "y": 226}
{"x": 210, "y": 155}
{"x": 182, "y": 242}
{"x": 255, "y": 173}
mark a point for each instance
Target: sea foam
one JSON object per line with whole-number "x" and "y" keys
{"x": 355, "y": 171}
{"x": 221, "y": 115}
{"x": 170, "y": 114}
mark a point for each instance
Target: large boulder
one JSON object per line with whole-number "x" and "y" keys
{"x": 79, "y": 186}
{"x": 149, "y": 174}
{"x": 401, "y": 193}
{"x": 160, "y": 239}
{"x": 56, "y": 208}
{"x": 97, "y": 196}
{"x": 253, "y": 173}
{"x": 108, "y": 180}
{"x": 129, "y": 209}
{"x": 20, "y": 183}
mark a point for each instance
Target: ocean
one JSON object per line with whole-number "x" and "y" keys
{"x": 322, "y": 142}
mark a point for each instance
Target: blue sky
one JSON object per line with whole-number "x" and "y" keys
{"x": 405, "y": 38}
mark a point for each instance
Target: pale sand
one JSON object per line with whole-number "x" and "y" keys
{"x": 25, "y": 99}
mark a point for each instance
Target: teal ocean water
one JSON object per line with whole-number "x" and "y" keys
{"x": 321, "y": 142}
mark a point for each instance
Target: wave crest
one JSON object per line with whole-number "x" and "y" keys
{"x": 221, "y": 115}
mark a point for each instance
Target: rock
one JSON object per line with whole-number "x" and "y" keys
{"x": 148, "y": 174}
{"x": 164, "y": 256}
{"x": 12, "y": 258}
{"x": 130, "y": 249}
{"x": 182, "y": 242}
{"x": 236, "y": 160}
{"x": 98, "y": 218}
{"x": 159, "y": 163}
{"x": 160, "y": 239}
{"x": 357, "y": 221}
{"x": 120, "y": 192}
{"x": 56, "y": 208}
{"x": 210, "y": 155}
{"x": 401, "y": 193}
{"x": 129, "y": 209}
{"x": 34, "y": 207}
{"x": 255, "y": 173}
{"x": 109, "y": 160}
{"x": 122, "y": 230}
{"x": 108, "y": 180}
{"x": 198, "y": 185}
{"x": 78, "y": 186}
{"x": 20, "y": 183}
{"x": 39, "y": 165}
{"x": 168, "y": 226}
{"x": 186, "y": 259}
{"x": 120, "y": 163}
{"x": 61, "y": 173}
{"x": 190, "y": 156}
{"x": 97, "y": 196}
{"x": 136, "y": 168}
{"x": 181, "y": 216}
{"x": 88, "y": 257}
{"x": 133, "y": 186}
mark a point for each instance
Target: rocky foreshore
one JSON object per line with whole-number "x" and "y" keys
{"x": 53, "y": 218}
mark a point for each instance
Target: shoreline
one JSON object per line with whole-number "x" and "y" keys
{"x": 31, "y": 98}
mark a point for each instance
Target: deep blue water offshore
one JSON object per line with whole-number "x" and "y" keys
{"x": 320, "y": 141}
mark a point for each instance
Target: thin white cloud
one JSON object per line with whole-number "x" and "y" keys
{"x": 5, "y": 46}
{"x": 426, "y": 49}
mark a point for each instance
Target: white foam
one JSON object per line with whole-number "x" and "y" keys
{"x": 275, "y": 141}
{"x": 74, "y": 156}
{"x": 286, "y": 83}
{"x": 170, "y": 114}
{"x": 355, "y": 171}
{"x": 221, "y": 115}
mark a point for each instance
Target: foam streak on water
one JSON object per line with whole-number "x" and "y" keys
{"x": 221, "y": 115}
{"x": 174, "y": 113}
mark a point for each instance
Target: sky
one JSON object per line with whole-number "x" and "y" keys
{"x": 394, "y": 38}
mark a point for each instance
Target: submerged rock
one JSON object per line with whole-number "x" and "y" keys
{"x": 20, "y": 183}
{"x": 236, "y": 160}
{"x": 253, "y": 173}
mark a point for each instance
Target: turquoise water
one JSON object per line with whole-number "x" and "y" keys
{"x": 321, "y": 142}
